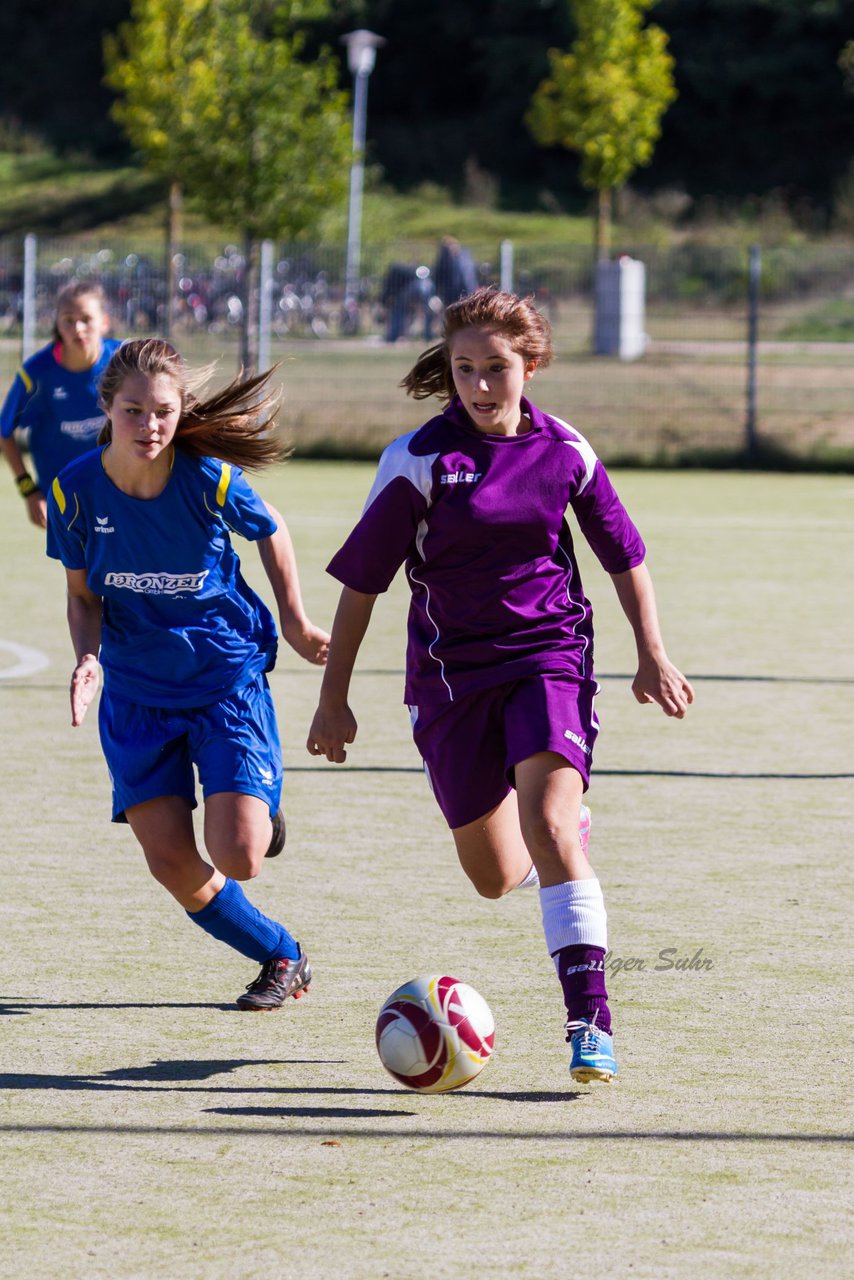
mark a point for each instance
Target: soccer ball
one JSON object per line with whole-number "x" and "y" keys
{"x": 435, "y": 1034}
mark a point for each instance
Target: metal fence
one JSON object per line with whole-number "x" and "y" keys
{"x": 715, "y": 378}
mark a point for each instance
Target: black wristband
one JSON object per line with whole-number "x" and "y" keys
{"x": 26, "y": 485}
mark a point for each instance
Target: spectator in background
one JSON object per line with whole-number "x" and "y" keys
{"x": 454, "y": 273}
{"x": 407, "y": 292}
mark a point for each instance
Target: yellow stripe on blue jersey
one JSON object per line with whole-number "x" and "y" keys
{"x": 59, "y": 496}
{"x": 26, "y": 379}
{"x": 224, "y": 482}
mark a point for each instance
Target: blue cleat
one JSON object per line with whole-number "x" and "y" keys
{"x": 592, "y": 1053}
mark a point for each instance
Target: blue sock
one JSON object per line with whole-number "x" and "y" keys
{"x": 232, "y": 918}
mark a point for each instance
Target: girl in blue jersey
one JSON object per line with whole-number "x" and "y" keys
{"x": 55, "y": 394}
{"x": 499, "y": 670}
{"x": 157, "y": 599}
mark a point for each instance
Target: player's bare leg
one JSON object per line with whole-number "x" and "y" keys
{"x": 164, "y": 829}
{"x": 238, "y": 831}
{"x": 212, "y": 897}
{"x": 549, "y": 793}
{"x": 574, "y": 920}
{"x": 491, "y": 850}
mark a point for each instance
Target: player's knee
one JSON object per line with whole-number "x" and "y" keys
{"x": 241, "y": 860}
{"x": 546, "y": 834}
{"x": 491, "y": 884}
{"x": 169, "y": 868}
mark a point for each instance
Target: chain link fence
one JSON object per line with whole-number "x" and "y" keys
{"x": 725, "y": 372}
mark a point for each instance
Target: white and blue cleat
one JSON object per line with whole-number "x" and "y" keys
{"x": 592, "y": 1053}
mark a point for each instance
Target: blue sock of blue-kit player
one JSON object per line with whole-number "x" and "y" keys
{"x": 232, "y": 918}
{"x": 576, "y": 929}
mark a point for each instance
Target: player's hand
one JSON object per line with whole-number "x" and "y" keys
{"x": 309, "y": 641}
{"x": 331, "y": 730}
{"x": 37, "y": 509}
{"x": 84, "y": 686}
{"x": 659, "y": 681}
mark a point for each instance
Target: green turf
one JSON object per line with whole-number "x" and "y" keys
{"x": 150, "y": 1132}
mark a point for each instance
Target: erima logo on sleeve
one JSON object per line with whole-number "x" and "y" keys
{"x": 157, "y": 584}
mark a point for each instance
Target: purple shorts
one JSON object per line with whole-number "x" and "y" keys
{"x": 471, "y": 747}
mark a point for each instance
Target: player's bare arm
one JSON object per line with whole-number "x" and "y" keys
{"x": 334, "y": 725}
{"x": 35, "y": 502}
{"x": 657, "y": 679}
{"x": 280, "y": 565}
{"x": 84, "y": 623}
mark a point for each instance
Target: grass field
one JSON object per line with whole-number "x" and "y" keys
{"x": 683, "y": 399}
{"x": 150, "y": 1132}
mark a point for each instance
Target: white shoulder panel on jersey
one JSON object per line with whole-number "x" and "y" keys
{"x": 584, "y": 447}
{"x": 398, "y": 461}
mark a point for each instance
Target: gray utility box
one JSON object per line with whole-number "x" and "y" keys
{"x": 620, "y": 308}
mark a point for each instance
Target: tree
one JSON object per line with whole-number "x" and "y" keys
{"x": 147, "y": 65}
{"x": 259, "y": 137}
{"x": 605, "y": 97}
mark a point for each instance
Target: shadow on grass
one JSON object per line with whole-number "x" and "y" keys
{"x": 10, "y": 1005}
{"x": 602, "y": 773}
{"x": 450, "y": 1135}
{"x": 145, "y": 1080}
{"x": 313, "y": 1113}
{"x": 23, "y": 684}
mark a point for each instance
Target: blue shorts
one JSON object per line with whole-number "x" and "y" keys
{"x": 470, "y": 748}
{"x": 234, "y": 744}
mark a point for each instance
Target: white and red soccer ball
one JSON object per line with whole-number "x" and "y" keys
{"x": 435, "y": 1034}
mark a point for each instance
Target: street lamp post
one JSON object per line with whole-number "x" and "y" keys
{"x": 361, "y": 55}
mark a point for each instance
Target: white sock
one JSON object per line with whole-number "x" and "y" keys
{"x": 574, "y": 913}
{"x": 531, "y": 880}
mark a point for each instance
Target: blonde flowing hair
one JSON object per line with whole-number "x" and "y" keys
{"x": 236, "y": 424}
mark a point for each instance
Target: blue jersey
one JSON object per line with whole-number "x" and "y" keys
{"x": 59, "y": 408}
{"x": 181, "y": 627}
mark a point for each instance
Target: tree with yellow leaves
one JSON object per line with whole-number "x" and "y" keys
{"x": 605, "y": 98}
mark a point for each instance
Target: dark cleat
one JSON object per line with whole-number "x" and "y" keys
{"x": 277, "y": 980}
{"x": 277, "y": 840}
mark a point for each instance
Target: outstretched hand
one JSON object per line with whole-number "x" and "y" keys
{"x": 331, "y": 731}
{"x": 658, "y": 680}
{"x": 84, "y": 686}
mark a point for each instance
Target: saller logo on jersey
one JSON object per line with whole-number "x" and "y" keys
{"x": 157, "y": 584}
{"x": 579, "y": 742}
{"x": 460, "y": 477}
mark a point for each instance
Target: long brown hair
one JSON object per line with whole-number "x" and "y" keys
{"x": 70, "y": 293}
{"x": 516, "y": 319}
{"x": 236, "y": 424}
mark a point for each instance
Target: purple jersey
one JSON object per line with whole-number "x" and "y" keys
{"x": 480, "y": 521}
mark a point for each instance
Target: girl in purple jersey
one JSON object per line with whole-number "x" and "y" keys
{"x": 499, "y": 671}
{"x": 155, "y": 592}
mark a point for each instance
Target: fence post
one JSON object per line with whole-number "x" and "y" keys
{"x": 28, "y": 332}
{"x": 754, "y": 272}
{"x": 265, "y": 304}
{"x": 507, "y": 266}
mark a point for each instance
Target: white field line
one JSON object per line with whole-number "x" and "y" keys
{"x": 29, "y": 661}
